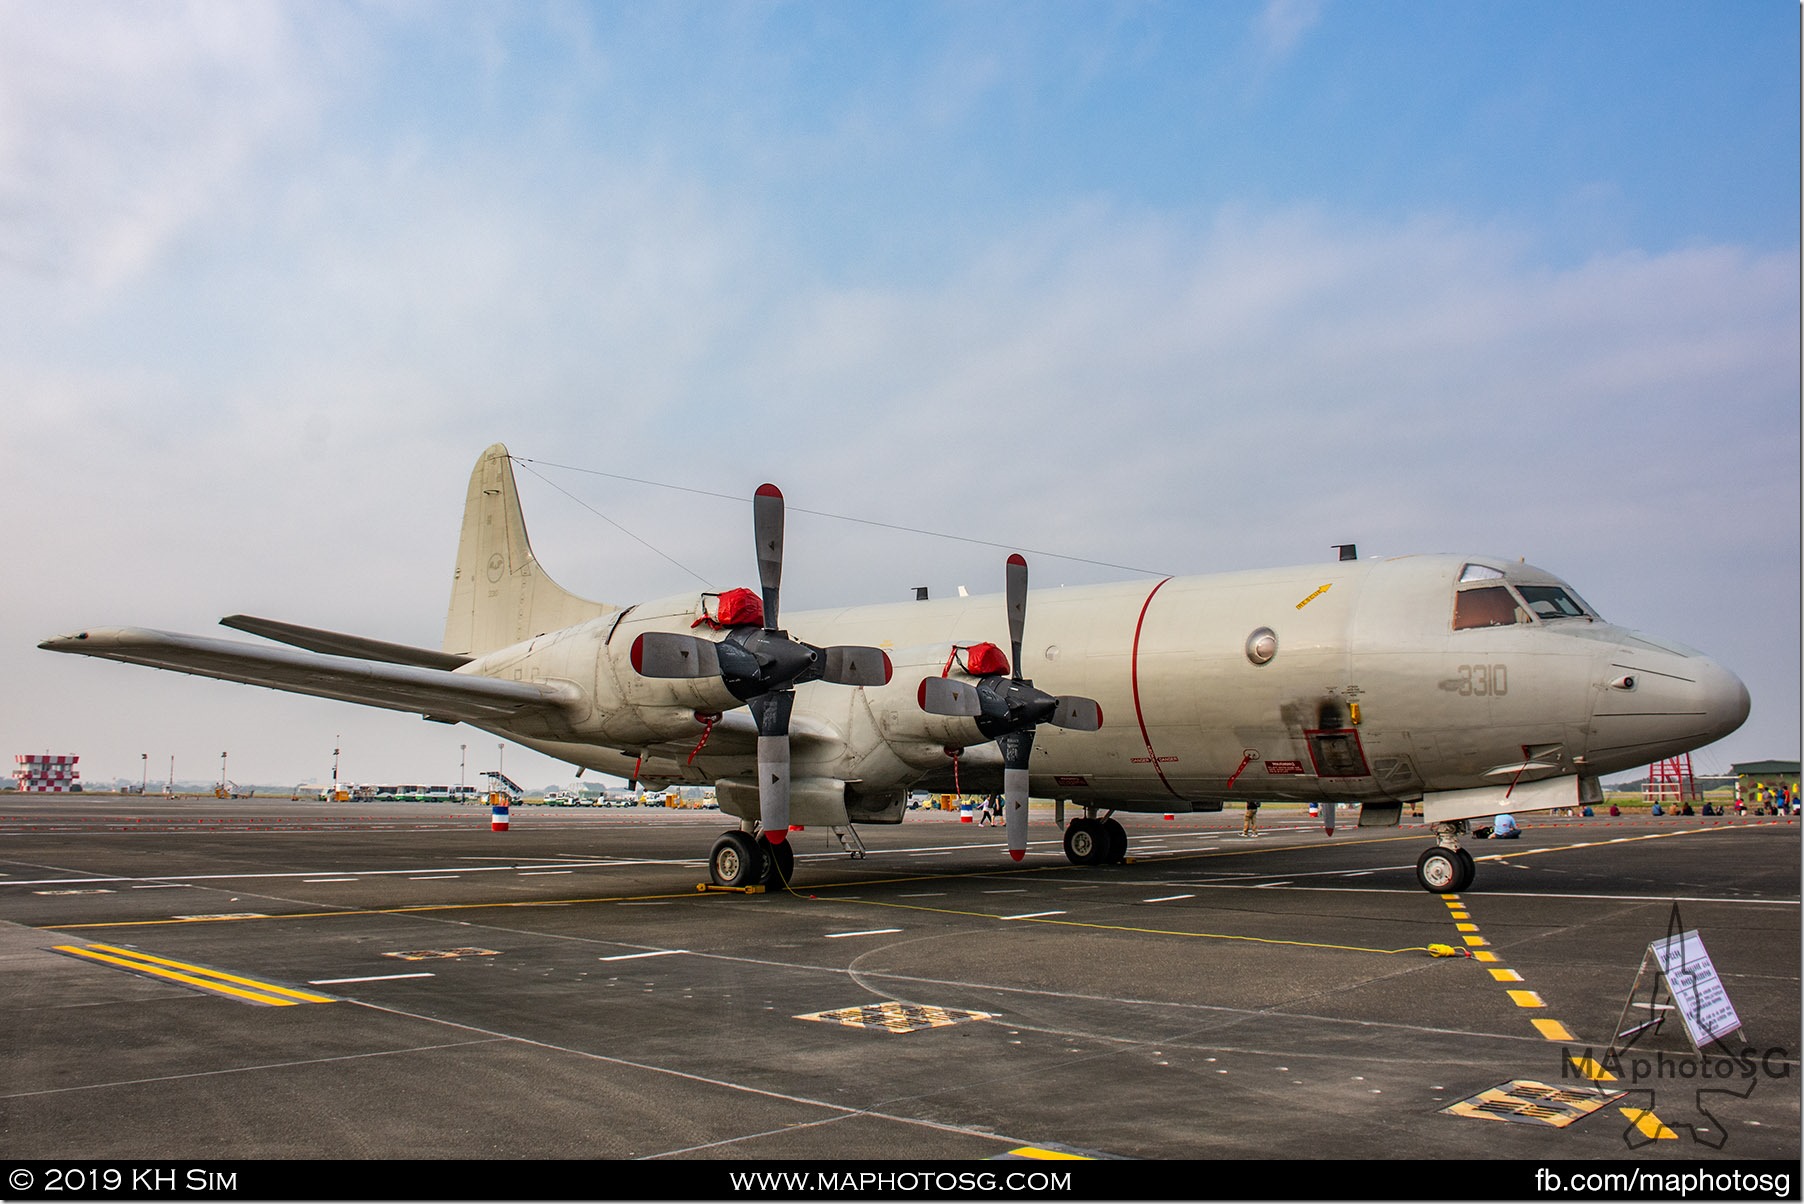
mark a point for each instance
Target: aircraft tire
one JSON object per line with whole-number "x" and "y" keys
{"x": 1085, "y": 842}
{"x": 1440, "y": 871}
{"x": 1468, "y": 872}
{"x": 736, "y": 861}
{"x": 779, "y": 862}
{"x": 1118, "y": 842}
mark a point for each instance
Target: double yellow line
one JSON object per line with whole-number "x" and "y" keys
{"x": 248, "y": 989}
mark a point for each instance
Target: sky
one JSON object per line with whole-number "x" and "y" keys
{"x": 1183, "y": 288}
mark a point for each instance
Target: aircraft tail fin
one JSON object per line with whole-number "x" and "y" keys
{"x": 499, "y": 594}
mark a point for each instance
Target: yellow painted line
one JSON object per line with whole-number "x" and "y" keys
{"x": 1452, "y": 900}
{"x": 189, "y": 979}
{"x": 1553, "y": 1030}
{"x": 139, "y": 956}
{"x": 1465, "y": 928}
{"x": 1590, "y": 1069}
{"x": 1476, "y": 941}
{"x": 1483, "y": 955}
{"x": 1030, "y": 1151}
{"x": 1648, "y": 1123}
{"x": 1525, "y": 999}
{"x": 1506, "y": 976}
{"x": 1459, "y": 915}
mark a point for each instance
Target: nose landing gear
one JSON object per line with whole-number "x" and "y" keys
{"x": 1446, "y": 869}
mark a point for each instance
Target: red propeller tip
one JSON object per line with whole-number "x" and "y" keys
{"x": 769, "y": 490}
{"x": 1017, "y": 854}
{"x": 1017, "y": 558}
{"x": 777, "y": 837}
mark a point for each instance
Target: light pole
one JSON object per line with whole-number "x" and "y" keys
{"x": 463, "y": 757}
{"x": 144, "y": 777}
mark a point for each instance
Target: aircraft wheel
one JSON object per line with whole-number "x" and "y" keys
{"x": 779, "y": 862}
{"x": 1118, "y": 842}
{"x": 1440, "y": 870}
{"x": 1085, "y": 843}
{"x": 736, "y": 861}
{"x": 1469, "y": 871}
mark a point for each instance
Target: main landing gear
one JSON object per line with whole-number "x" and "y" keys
{"x": 1446, "y": 869}
{"x": 1093, "y": 841}
{"x": 741, "y": 860}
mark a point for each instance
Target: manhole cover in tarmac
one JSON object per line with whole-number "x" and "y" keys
{"x": 897, "y": 1017}
{"x": 426, "y": 955}
{"x": 1529, "y": 1102}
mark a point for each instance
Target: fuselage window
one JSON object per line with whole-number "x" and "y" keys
{"x": 1479, "y": 572}
{"x": 1552, "y": 602}
{"x": 1487, "y": 606}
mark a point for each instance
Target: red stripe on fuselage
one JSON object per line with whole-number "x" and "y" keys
{"x": 1134, "y": 678}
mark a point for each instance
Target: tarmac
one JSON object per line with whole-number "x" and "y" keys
{"x": 278, "y": 979}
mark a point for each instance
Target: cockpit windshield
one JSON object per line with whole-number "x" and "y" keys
{"x": 1492, "y": 597}
{"x": 1553, "y": 602}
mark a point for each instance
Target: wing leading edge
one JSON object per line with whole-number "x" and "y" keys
{"x": 435, "y": 693}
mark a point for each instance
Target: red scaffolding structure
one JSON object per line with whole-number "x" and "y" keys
{"x": 1671, "y": 781}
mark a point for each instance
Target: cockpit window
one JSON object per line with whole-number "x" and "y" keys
{"x": 1486, "y": 606}
{"x": 1552, "y": 602}
{"x": 1479, "y": 572}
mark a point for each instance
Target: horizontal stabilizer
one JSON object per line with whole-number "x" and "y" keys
{"x": 437, "y": 693}
{"x": 336, "y": 643}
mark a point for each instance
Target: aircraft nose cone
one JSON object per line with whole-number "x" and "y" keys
{"x": 1660, "y": 700}
{"x": 1725, "y": 699}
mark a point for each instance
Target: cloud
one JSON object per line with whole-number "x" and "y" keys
{"x": 1281, "y": 24}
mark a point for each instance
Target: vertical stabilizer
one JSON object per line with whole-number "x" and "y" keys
{"x": 499, "y": 594}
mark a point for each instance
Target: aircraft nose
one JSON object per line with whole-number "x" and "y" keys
{"x": 1659, "y": 700}
{"x": 1726, "y": 702}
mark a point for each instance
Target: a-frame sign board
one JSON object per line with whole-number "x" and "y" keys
{"x": 1677, "y": 975}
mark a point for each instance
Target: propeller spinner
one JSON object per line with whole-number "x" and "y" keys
{"x": 1009, "y": 709}
{"x": 761, "y": 665}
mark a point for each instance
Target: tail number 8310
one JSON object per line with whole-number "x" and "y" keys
{"x": 1478, "y": 681}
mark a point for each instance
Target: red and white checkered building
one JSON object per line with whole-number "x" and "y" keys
{"x": 45, "y": 774}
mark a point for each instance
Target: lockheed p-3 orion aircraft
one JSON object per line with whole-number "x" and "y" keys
{"x": 1465, "y": 685}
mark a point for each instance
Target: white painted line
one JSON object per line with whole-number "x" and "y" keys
{"x": 1265, "y": 885}
{"x": 1013, "y": 890}
{"x": 543, "y": 873}
{"x": 1032, "y": 915}
{"x": 1168, "y": 898}
{"x": 627, "y": 957}
{"x": 329, "y": 879}
{"x": 333, "y": 982}
{"x": 163, "y": 886}
{"x": 926, "y": 894}
{"x": 834, "y": 936}
{"x": 433, "y": 878}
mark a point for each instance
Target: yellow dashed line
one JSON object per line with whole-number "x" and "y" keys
{"x": 1028, "y": 1151}
{"x": 1484, "y": 956}
{"x": 1476, "y": 941}
{"x": 1506, "y": 976}
{"x": 1553, "y": 1030}
{"x": 1465, "y": 928}
{"x": 1525, "y": 999}
{"x": 1649, "y": 1124}
{"x": 1587, "y": 1066}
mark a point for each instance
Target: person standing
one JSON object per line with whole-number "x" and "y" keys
{"x": 1251, "y": 826}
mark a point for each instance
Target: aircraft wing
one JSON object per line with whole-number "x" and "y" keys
{"x": 337, "y": 643}
{"x": 435, "y": 693}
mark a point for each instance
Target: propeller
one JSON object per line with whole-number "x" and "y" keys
{"x": 761, "y": 665}
{"x": 1009, "y": 709}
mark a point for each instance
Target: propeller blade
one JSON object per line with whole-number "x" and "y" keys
{"x": 668, "y": 654}
{"x": 772, "y": 713}
{"x": 1076, "y": 714}
{"x": 947, "y": 696}
{"x": 1016, "y": 575}
{"x": 1016, "y": 748}
{"x": 767, "y": 526}
{"x": 854, "y": 665}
